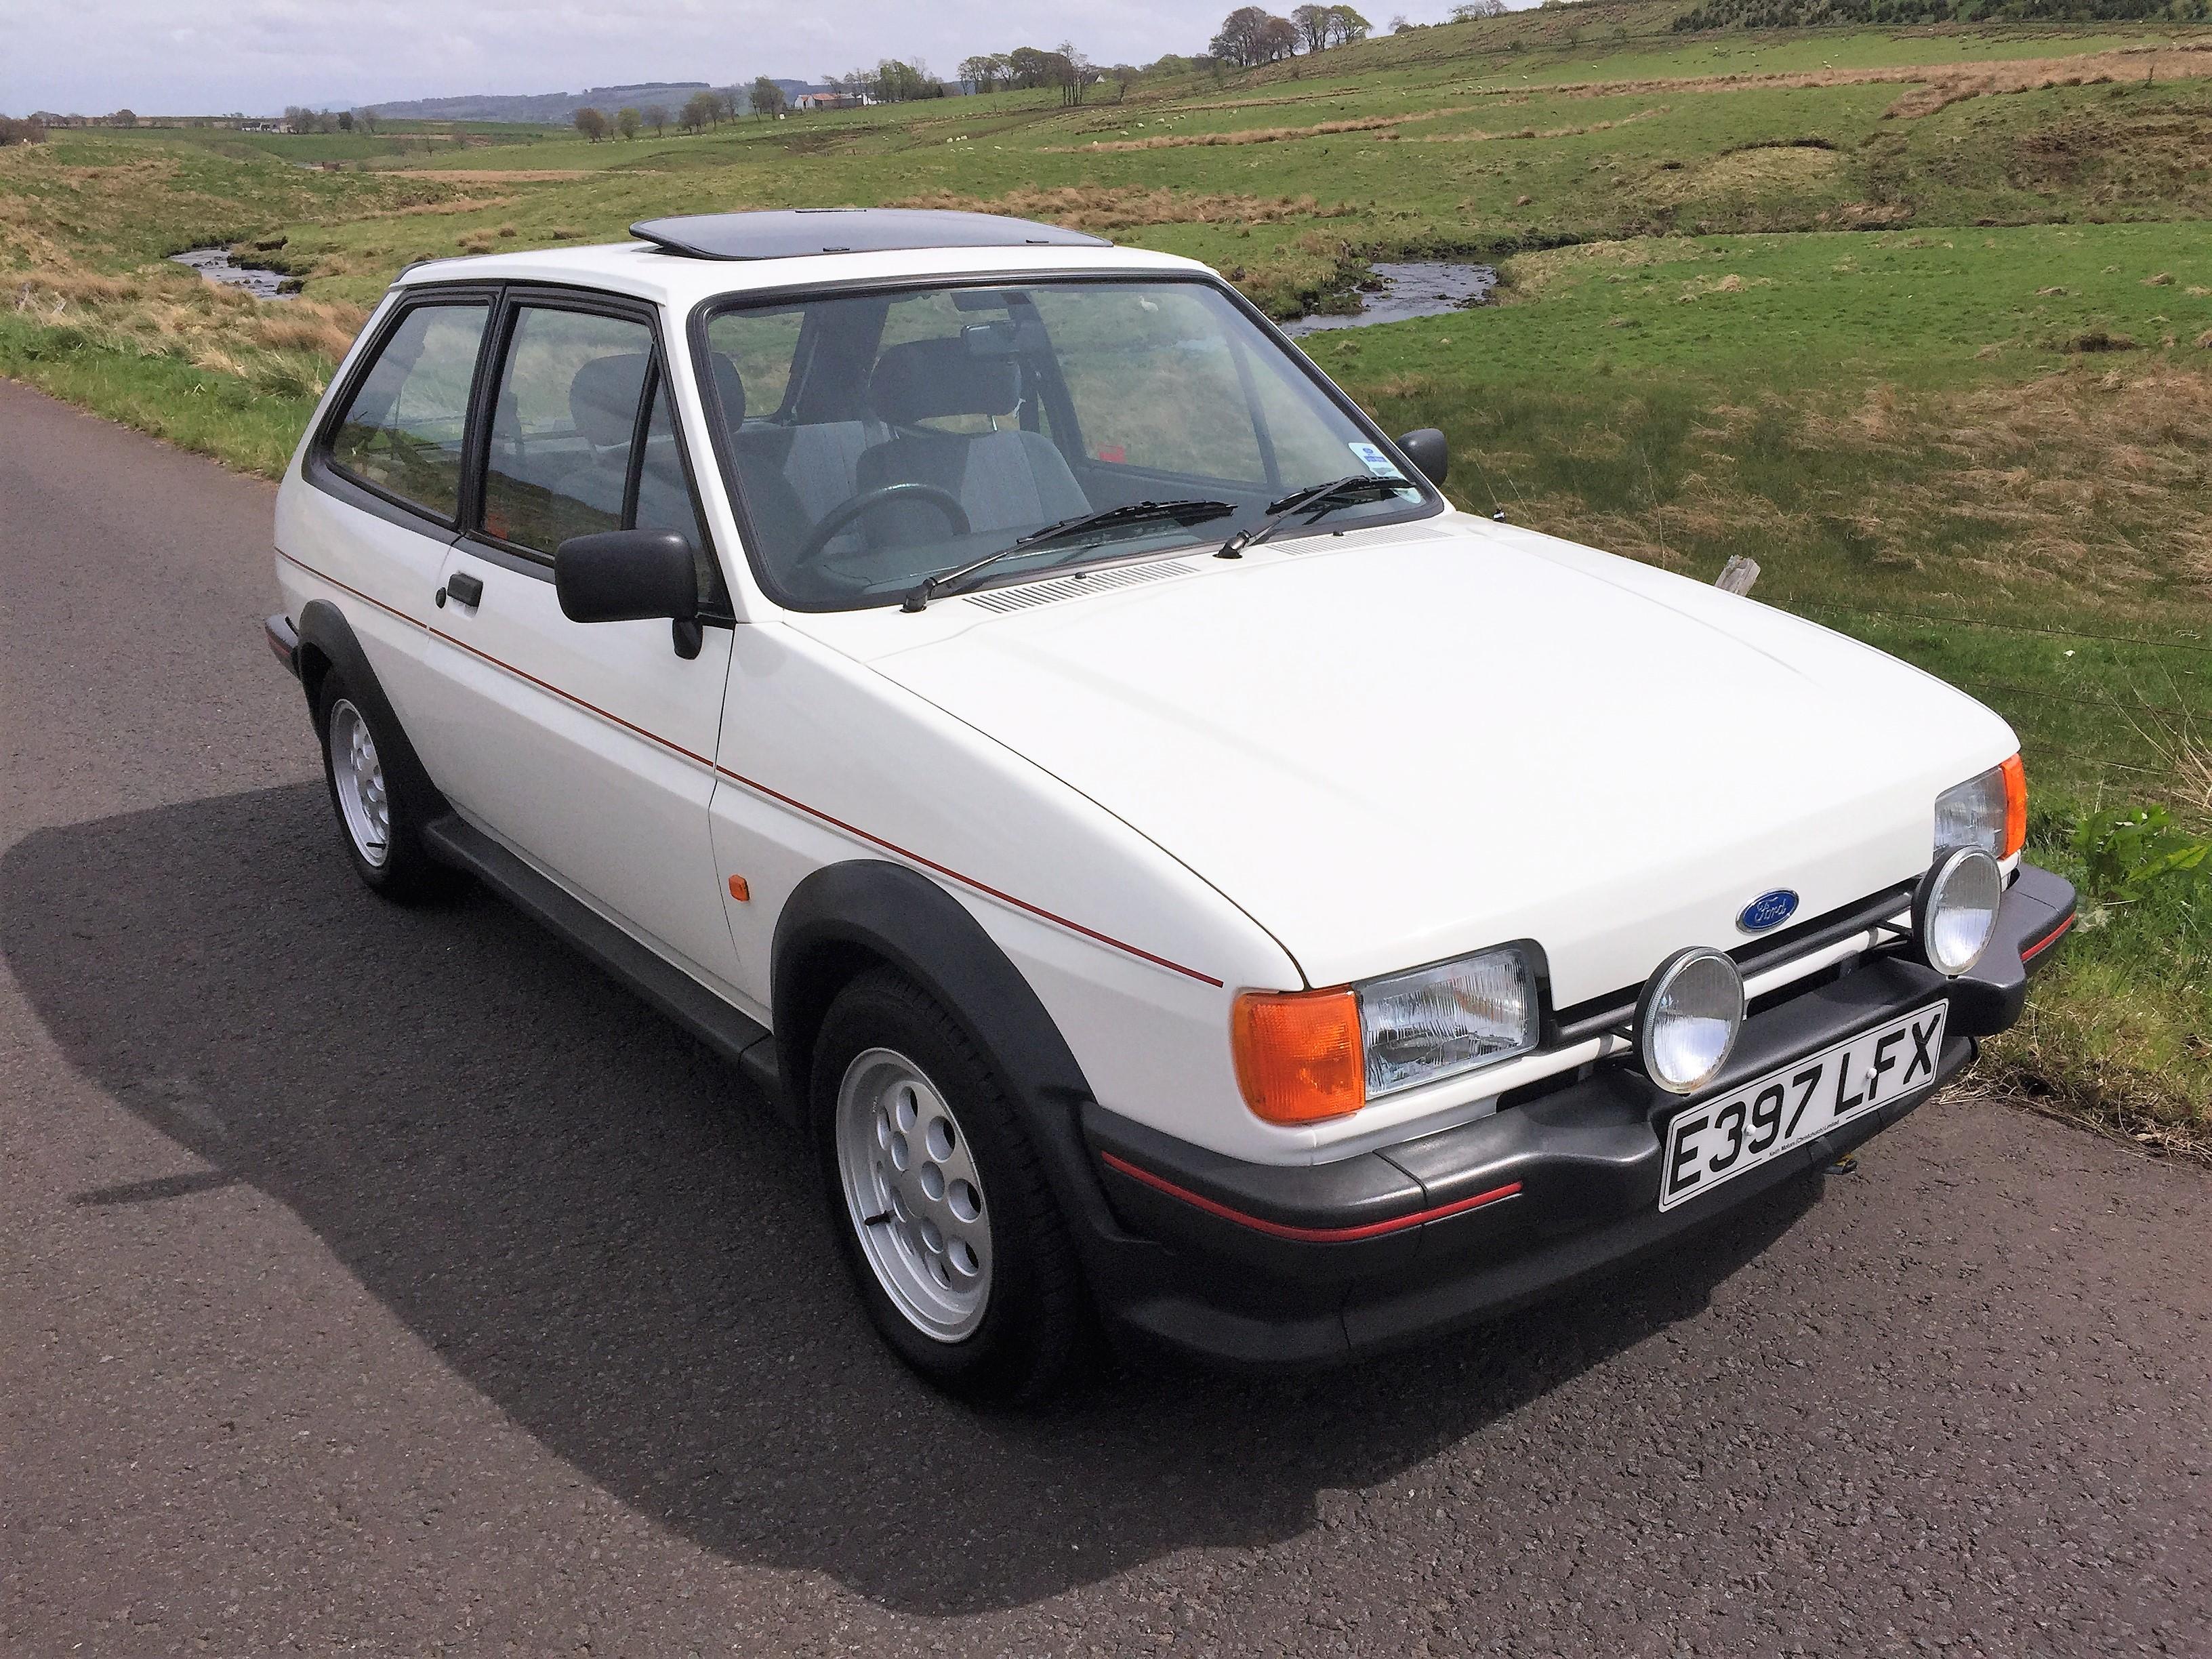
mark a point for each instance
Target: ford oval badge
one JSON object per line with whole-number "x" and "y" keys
{"x": 1767, "y": 910}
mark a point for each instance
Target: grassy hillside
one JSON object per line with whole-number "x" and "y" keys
{"x": 1921, "y": 319}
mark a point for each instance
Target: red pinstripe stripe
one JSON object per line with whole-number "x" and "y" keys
{"x": 758, "y": 788}
{"x": 1307, "y": 1235}
{"x": 2047, "y": 940}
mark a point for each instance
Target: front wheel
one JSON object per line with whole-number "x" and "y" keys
{"x": 956, "y": 1244}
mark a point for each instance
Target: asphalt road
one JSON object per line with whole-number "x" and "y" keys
{"x": 376, "y": 1281}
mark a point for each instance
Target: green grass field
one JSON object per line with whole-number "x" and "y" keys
{"x": 1919, "y": 319}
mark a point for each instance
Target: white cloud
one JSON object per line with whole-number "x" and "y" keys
{"x": 198, "y": 56}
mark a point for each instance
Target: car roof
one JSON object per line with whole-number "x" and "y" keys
{"x": 785, "y": 251}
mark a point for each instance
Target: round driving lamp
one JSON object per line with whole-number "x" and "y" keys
{"x": 1687, "y": 1019}
{"x": 1955, "y": 910}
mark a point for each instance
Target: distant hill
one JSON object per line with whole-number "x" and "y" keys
{"x": 1860, "y": 13}
{"x": 553, "y": 108}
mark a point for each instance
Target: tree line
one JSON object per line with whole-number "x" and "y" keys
{"x": 1251, "y": 36}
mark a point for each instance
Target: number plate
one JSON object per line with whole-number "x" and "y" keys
{"x": 1719, "y": 1138}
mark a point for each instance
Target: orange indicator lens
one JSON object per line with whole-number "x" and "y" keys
{"x": 1299, "y": 1058}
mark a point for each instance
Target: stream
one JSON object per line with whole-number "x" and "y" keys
{"x": 1420, "y": 289}
{"x": 217, "y": 266}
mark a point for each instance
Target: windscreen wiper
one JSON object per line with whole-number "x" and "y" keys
{"x": 1130, "y": 515}
{"x": 1321, "y": 498}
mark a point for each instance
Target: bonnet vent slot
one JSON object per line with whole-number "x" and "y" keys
{"x": 1073, "y": 587}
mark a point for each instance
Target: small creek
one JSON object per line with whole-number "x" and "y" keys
{"x": 1426, "y": 288}
{"x": 217, "y": 266}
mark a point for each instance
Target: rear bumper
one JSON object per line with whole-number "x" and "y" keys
{"x": 1263, "y": 1264}
{"x": 283, "y": 642}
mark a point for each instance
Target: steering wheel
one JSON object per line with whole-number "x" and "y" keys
{"x": 840, "y": 517}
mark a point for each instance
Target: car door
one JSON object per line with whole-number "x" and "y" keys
{"x": 585, "y": 747}
{"x": 387, "y": 471}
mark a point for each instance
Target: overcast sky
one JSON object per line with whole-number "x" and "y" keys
{"x": 206, "y": 56}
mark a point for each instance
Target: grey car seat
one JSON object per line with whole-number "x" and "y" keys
{"x": 1006, "y": 478}
{"x": 603, "y": 401}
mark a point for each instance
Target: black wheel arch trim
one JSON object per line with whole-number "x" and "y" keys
{"x": 327, "y": 643}
{"x": 846, "y": 916}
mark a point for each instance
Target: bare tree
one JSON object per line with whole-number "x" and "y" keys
{"x": 656, "y": 117}
{"x": 1315, "y": 24}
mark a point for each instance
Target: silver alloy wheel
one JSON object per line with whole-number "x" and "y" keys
{"x": 359, "y": 773}
{"x": 914, "y": 1195}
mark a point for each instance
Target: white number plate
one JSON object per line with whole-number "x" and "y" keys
{"x": 1719, "y": 1138}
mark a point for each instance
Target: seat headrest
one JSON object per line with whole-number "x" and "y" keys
{"x": 603, "y": 397}
{"x": 729, "y": 387}
{"x": 923, "y": 379}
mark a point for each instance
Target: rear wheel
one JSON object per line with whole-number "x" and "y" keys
{"x": 378, "y": 824}
{"x": 958, "y": 1246}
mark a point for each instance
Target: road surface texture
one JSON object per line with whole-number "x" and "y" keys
{"x": 387, "y": 1282}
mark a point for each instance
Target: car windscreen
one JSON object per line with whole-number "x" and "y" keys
{"x": 877, "y": 439}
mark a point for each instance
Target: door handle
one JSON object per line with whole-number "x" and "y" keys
{"x": 469, "y": 590}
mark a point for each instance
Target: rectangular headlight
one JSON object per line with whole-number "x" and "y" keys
{"x": 1435, "y": 1023}
{"x": 1989, "y": 811}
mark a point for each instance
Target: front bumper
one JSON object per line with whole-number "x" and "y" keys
{"x": 1263, "y": 1264}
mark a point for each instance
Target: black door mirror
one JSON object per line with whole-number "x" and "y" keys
{"x": 630, "y": 575}
{"x": 1427, "y": 450}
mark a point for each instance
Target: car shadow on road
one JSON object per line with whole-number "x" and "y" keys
{"x": 589, "y": 1219}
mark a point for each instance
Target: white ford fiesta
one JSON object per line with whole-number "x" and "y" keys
{"x": 1183, "y": 878}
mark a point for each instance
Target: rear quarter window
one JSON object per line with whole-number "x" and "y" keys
{"x": 403, "y": 428}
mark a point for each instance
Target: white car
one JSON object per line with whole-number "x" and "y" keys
{"x": 1186, "y": 879}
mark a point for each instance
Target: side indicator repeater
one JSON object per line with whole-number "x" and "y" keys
{"x": 739, "y": 890}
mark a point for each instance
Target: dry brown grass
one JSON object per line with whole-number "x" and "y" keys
{"x": 1258, "y": 135}
{"x": 1099, "y": 206}
{"x": 1935, "y": 85}
{"x": 165, "y": 310}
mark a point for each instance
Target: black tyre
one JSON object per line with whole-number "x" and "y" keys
{"x": 956, "y": 1243}
{"x": 378, "y": 823}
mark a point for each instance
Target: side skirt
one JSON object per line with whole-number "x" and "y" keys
{"x": 741, "y": 1042}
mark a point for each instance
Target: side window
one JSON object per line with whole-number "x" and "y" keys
{"x": 403, "y": 430}
{"x": 563, "y": 426}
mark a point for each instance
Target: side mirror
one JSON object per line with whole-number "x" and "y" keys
{"x": 1426, "y": 449}
{"x": 630, "y": 575}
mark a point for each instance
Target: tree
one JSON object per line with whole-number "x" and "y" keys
{"x": 1250, "y": 37}
{"x": 980, "y": 73}
{"x": 626, "y": 121}
{"x": 123, "y": 117}
{"x": 769, "y": 100}
{"x": 656, "y": 117}
{"x": 1278, "y": 39}
{"x": 1315, "y": 25}
{"x": 365, "y": 119}
{"x": 1470, "y": 9}
{"x": 699, "y": 109}
{"x": 1346, "y": 26}
{"x": 725, "y": 105}
{"x": 591, "y": 122}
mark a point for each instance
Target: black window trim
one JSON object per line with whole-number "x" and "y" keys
{"x": 1431, "y": 505}
{"x": 476, "y": 455}
{"x": 322, "y": 470}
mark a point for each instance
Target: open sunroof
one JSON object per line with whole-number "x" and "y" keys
{"x": 793, "y": 233}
